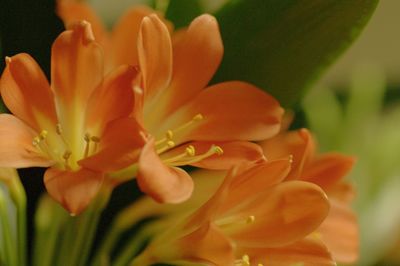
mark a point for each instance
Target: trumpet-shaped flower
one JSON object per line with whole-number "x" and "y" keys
{"x": 327, "y": 171}
{"x": 186, "y": 123}
{"x": 76, "y": 116}
{"x": 252, "y": 213}
{"x": 119, "y": 44}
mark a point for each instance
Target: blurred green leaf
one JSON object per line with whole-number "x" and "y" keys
{"x": 284, "y": 45}
{"x": 182, "y": 12}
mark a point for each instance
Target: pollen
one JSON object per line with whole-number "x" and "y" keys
{"x": 190, "y": 150}
{"x": 198, "y": 117}
{"x": 36, "y": 141}
{"x": 95, "y": 139}
{"x": 169, "y": 134}
{"x": 43, "y": 134}
{"x": 67, "y": 154}
{"x": 218, "y": 150}
{"x": 170, "y": 144}
{"x": 251, "y": 219}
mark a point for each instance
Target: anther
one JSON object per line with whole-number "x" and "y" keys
{"x": 250, "y": 219}
{"x": 66, "y": 155}
{"x": 58, "y": 129}
{"x": 8, "y": 59}
{"x": 36, "y": 141}
{"x": 170, "y": 144}
{"x": 43, "y": 134}
{"x": 169, "y": 134}
{"x": 87, "y": 137}
{"x": 198, "y": 117}
{"x": 95, "y": 139}
{"x": 138, "y": 90}
{"x": 290, "y": 158}
{"x": 190, "y": 150}
{"x": 218, "y": 150}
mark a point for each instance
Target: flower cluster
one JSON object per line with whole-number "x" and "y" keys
{"x": 135, "y": 103}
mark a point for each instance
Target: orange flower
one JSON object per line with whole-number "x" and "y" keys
{"x": 327, "y": 171}
{"x": 78, "y": 115}
{"x": 252, "y": 210}
{"x": 119, "y": 45}
{"x": 185, "y": 123}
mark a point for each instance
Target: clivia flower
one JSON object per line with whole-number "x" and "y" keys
{"x": 327, "y": 171}
{"x": 252, "y": 213}
{"x": 184, "y": 122}
{"x": 59, "y": 124}
{"x": 119, "y": 44}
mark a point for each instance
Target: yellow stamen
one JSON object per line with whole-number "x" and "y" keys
{"x": 36, "y": 141}
{"x": 250, "y": 219}
{"x": 87, "y": 146}
{"x": 190, "y": 159}
{"x": 189, "y": 151}
{"x": 96, "y": 141}
{"x": 67, "y": 154}
{"x": 233, "y": 221}
{"x": 43, "y": 134}
{"x": 170, "y": 144}
{"x": 244, "y": 261}
{"x": 170, "y": 133}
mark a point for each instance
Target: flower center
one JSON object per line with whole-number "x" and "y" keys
{"x": 57, "y": 148}
{"x": 244, "y": 261}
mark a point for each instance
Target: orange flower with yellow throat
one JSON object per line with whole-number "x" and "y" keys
{"x": 76, "y": 116}
{"x": 119, "y": 44}
{"x": 327, "y": 170}
{"x": 187, "y": 123}
{"x": 253, "y": 218}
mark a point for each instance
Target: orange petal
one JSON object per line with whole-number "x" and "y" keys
{"x": 207, "y": 245}
{"x": 283, "y": 214}
{"x": 254, "y": 180}
{"x": 298, "y": 143}
{"x": 197, "y": 56}
{"x": 125, "y": 35}
{"x": 343, "y": 243}
{"x": 328, "y": 169}
{"x": 119, "y": 146}
{"x": 73, "y": 190}
{"x": 72, "y": 12}
{"x": 305, "y": 252}
{"x": 163, "y": 183}
{"x": 343, "y": 191}
{"x": 241, "y": 183}
{"x": 111, "y": 100}
{"x": 26, "y": 92}
{"x": 76, "y": 68}
{"x": 16, "y": 149}
{"x": 231, "y": 111}
{"x": 234, "y": 152}
{"x": 155, "y": 55}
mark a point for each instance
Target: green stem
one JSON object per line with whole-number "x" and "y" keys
{"x": 18, "y": 195}
{"x": 102, "y": 256}
{"x": 134, "y": 245}
{"x": 49, "y": 221}
{"x": 10, "y": 254}
{"x": 85, "y": 227}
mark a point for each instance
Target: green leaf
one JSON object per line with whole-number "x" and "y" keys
{"x": 283, "y": 46}
{"x": 182, "y": 12}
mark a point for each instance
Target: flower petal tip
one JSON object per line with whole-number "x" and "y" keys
{"x": 84, "y": 28}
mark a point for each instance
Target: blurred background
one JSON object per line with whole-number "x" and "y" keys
{"x": 353, "y": 108}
